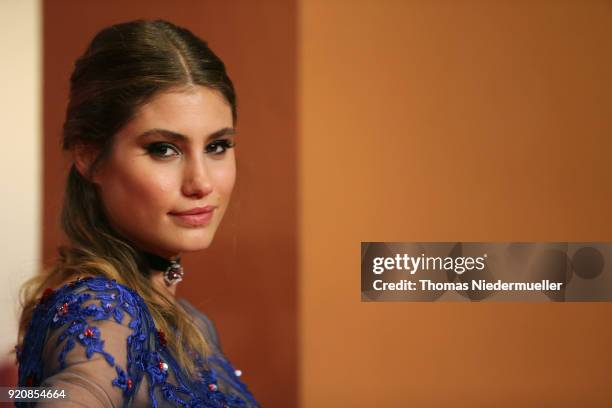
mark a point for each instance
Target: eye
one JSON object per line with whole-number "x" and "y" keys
{"x": 219, "y": 146}
{"x": 162, "y": 149}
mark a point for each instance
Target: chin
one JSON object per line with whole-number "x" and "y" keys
{"x": 194, "y": 248}
{"x": 185, "y": 240}
{"x": 192, "y": 245}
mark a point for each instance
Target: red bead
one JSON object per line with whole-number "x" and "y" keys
{"x": 89, "y": 332}
{"x": 129, "y": 383}
{"x": 64, "y": 308}
{"x": 212, "y": 387}
{"x": 46, "y": 294}
{"x": 162, "y": 338}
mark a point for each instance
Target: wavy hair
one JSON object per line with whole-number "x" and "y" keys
{"x": 124, "y": 66}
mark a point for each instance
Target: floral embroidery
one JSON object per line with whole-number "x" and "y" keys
{"x": 75, "y": 308}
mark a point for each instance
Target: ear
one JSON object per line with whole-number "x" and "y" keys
{"x": 84, "y": 156}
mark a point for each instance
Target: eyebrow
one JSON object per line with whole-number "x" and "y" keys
{"x": 179, "y": 137}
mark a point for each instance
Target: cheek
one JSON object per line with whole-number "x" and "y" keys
{"x": 224, "y": 177}
{"x": 137, "y": 192}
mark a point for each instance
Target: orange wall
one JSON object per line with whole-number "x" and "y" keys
{"x": 444, "y": 121}
{"x": 246, "y": 281}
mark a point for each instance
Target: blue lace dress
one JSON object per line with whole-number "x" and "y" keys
{"x": 96, "y": 339}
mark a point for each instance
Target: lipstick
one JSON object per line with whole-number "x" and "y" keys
{"x": 194, "y": 217}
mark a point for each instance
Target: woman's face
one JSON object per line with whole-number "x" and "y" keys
{"x": 173, "y": 157}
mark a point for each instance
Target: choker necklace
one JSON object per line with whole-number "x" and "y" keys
{"x": 173, "y": 271}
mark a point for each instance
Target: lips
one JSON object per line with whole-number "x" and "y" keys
{"x": 194, "y": 217}
{"x": 194, "y": 211}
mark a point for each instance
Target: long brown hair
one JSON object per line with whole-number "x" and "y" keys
{"x": 124, "y": 66}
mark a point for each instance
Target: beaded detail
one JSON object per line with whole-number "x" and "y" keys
{"x": 147, "y": 355}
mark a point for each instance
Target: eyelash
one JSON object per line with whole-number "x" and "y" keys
{"x": 155, "y": 147}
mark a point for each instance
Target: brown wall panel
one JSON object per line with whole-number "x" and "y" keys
{"x": 444, "y": 121}
{"x": 246, "y": 281}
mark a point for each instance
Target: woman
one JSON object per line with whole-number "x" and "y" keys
{"x": 150, "y": 125}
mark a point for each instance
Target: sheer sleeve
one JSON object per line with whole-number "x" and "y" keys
{"x": 228, "y": 378}
{"x": 88, "y": 339}
{"x": 86, "y": 366}
{"x": 96, "y": 340}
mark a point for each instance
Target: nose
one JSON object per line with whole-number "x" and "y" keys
{"x": 196, "y": 180}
